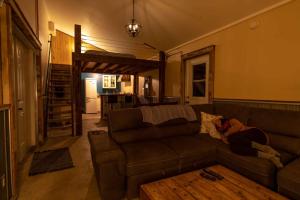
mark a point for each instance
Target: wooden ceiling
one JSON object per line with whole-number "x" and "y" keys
{"x": 105, "y": 64}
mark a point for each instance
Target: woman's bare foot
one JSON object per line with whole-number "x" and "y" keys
{"x": 265, "y": 148}
{"x": 274, "y": 159}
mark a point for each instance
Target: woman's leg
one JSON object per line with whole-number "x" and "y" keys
{"x": 241, "y": 145}
{"x": 259, "y": 141}
{"x": 250, "y": 143}
{"x": 265, "y": 148}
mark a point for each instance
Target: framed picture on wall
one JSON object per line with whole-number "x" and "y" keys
{"x": 109, "y": 81}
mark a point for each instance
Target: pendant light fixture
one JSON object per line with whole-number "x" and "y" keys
{"x": 133, "y": 28}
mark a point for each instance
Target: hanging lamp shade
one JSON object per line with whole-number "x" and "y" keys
{"x": 133, "y": 28}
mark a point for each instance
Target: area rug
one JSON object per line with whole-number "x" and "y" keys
{"x": 51, "y": 160}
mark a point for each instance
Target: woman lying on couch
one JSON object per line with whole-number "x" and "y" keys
{"x": 247, "y": 141}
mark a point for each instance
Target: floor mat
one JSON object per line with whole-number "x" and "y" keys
{"x": 52, "y": 160}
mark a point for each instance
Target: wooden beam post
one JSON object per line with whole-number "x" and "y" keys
{"x": 77, "y": 39}
{"x": 136, "y": 85}
{"x": 162, "y": 72}
{"x": 77, "y": 104}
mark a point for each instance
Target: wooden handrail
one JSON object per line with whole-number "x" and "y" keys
{"x": 46, "y": 90}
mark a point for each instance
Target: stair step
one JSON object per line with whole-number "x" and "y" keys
{"x": 61, "y": 70}
{"x": 60, "y": 85}
{"x": 60, "y": 77}
{"x": 60, "y": 80}
{"x": 61, "y": 66}
{"x": 59, "y": 105}
{"x": 60, "y": 127}
{"x": 60, "y": 112}
{"x": 59, "y": 98}
{"x": 60, "y": 119}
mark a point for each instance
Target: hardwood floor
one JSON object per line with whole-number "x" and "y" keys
{"x": 77, "y": 183}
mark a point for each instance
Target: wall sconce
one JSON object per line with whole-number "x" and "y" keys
{"x": 1, "y": 3}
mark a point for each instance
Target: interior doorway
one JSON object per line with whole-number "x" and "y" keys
{"x": 25, "y": 90}
{"x": 198, "y": 76}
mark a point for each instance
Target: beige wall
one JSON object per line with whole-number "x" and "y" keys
{"x": 44, "y": 36}
{"x": 260, "y": 63}
{"x": 29, "y": 10}
{"x": 155, "y": 82}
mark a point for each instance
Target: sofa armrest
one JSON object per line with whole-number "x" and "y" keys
{"x": 109, "y": 165}
{"x": 288, "y": 180}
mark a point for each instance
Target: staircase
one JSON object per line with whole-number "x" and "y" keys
{"x": 59, "y": 103}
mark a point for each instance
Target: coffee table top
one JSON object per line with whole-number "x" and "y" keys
{"x": 192, "y": 186}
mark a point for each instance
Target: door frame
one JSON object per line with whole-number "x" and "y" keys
{"x": 210, "y": 51}
{"x": 7, "y": 141}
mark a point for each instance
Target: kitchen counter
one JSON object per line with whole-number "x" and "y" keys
{"x": 110, "y": 101}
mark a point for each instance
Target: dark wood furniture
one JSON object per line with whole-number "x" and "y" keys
{"x": 192, "y": 186}
{"x": 110, "y": 101}
{"x": 110, "y": 64}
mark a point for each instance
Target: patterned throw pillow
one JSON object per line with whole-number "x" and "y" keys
{"x": 207, "y": 125}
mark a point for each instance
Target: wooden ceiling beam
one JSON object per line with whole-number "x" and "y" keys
{"x": 115, "y": 60}
{"x": 107, "y": 69}
{"x": 100, "y": 66}
{"x": 87, "y": 65}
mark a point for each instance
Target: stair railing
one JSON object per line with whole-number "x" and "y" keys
{"x": 46, "y": 89}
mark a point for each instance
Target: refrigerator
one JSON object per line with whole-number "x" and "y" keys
{"x": 90, "y": 95}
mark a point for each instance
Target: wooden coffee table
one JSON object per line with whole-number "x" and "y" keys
{"x": 192, "y": 186}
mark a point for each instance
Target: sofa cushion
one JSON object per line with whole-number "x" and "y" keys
{"x": 147, "y": 156}
{"x": 173, "y": 122}
{"x": 232, "y": 111}
{"x": 286, "y": 143}
{"x": 134, "y": 135}
{"x": 260, "y": 170}
{"x": 192, "y": 150}
{"x": 125, "y": 119}
{"x": 190, "y": 128}
{"x": 276, "y": 121}
{"x": 288, "y": 180}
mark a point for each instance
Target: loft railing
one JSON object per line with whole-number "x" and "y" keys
{"x": 46, "y": 89}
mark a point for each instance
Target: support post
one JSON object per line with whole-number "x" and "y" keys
{"x": 136, "y": 86}
{"x": 162, "y": 72}
{"x": 77, "y": 104}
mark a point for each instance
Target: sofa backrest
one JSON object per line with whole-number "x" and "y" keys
{"x": 208, "y": 108}
{"x": 233, "y": 111}
{"x": 126, "y": 125}
{"x": 282, "y": 126}
{"x": 276, "y": 121}
{"x": 124, "y": 119}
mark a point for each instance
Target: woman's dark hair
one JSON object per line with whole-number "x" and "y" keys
{"x": 224, "y": 120}
{"x": 224, "y": 125}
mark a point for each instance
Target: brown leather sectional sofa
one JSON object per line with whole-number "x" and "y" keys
{"x": 134, "y": 153}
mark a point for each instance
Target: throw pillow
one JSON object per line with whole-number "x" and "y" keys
{"x": 207, "y": 125}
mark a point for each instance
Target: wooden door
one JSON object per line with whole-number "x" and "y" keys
{"x": 23, "y": 135}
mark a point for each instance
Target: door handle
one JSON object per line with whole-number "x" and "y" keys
{"x": 20, "y": 109}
